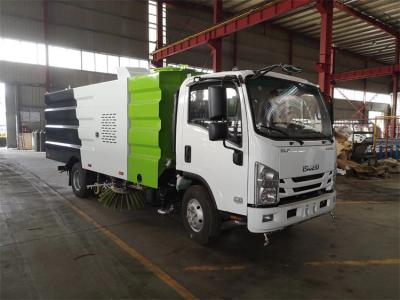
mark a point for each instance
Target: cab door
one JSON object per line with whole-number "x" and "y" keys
{"x": 211, "y": 160}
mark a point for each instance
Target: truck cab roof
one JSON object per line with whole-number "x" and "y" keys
{"x": 245, "y": 73}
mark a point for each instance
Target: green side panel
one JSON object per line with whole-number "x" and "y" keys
{"x": 150, "y": 113}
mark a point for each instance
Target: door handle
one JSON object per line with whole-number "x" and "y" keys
{"x": 188, "y": 154}
{"x": 238, "y": 157}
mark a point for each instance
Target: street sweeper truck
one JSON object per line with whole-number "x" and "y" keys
{"x": 253, "y": 148}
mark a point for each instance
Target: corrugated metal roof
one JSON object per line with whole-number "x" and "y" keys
{"x": 349, "y": 32}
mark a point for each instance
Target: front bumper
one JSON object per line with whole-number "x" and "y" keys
{"x": 261, "y": 220}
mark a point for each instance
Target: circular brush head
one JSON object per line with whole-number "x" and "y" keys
{"x": 122, "y": 198}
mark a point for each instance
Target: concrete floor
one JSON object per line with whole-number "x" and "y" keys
{"x": 54, "y": 245}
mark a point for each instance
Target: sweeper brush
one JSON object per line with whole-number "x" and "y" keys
{"x": 122, "y": 198}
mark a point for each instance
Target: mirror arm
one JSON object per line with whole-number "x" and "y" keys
{"x": 228, "y": 147}
{"x": 237, "y": 154}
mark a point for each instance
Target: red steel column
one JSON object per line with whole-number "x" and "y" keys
{"x": 395, "y": 79}
{"x": 159, "y": 42}
{"x": 325, "y": 67}
{"x": 365, "y": 114}
{"x": 216, "y": 44}
{"x": 235, "y": 50}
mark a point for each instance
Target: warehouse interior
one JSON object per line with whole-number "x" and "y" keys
{"x": 56, "y": 245}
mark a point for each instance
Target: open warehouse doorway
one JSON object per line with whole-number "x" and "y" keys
{"x": 3, "y": 122}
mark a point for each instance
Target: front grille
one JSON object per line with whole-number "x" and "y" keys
{"x": 296, "y": 198}
{"x": 308, "y": 177}
{"x": 307, "y": 187}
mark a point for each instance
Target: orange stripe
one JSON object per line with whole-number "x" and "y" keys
{"x": 352, "y": 263}
{"x": 214, "y": 268}
{"x": 124, "y": 246}
{"x": 358, "y": 202}
{"x": 132, "y": 252}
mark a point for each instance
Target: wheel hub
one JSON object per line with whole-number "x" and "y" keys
{"x": 76, "y": 180}
{"x": 195, "y": 215}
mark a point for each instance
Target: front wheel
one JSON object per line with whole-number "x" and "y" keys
{"x": 79, "y": 181}
{"x": 200, "y": 217}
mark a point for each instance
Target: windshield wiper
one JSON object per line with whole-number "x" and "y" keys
{"x": 286, "y": 68}
{"x": 329, "y": 138}
{"x": 281, "y": 131}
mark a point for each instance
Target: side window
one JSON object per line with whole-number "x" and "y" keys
{"x": 198, "y": 110}
{"x": 198, "y": 105}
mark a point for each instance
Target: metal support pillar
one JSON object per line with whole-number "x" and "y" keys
{"x": 216, "y": 47}
{"x": 216, "y": 44}
{"x": 159, "y": 42}
{"x": 325, "y": 67}
{"x": 395, "y": 93}
{"x": 235, "y": 50}
{"x": 217, "y": 9}
{"x": 331, "y": 82}
{"x": 364, "y": 113}
{"x": 395, "y": 79}
{"x": 395, "y": 82}
{"x": 46, "y": 42}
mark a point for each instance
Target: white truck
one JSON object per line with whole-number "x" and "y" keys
{"x": 252, "y": 147}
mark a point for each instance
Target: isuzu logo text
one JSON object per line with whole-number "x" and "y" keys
{"x": 307, "y": 168}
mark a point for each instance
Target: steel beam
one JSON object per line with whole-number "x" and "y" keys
{"x": 325, "y": 65}
{"x": 366, "y": 73}
{"x": 362, "y": 16}
{"x": 223, "y": 29}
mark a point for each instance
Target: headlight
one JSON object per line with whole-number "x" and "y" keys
{"x": 334, "y": 179}
{"x": 333, "y": 185}
{"x": 266, "y": 185}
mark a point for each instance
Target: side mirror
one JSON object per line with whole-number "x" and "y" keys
{"x": 217, "y": 106}
{"x": 217, "y": 113}
{"x": 217, "y": 131}
{"x": 291, "y": 69}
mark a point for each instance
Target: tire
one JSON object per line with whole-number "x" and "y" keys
{"x": 79, "y": 181}
{"x": 200, "y": 216}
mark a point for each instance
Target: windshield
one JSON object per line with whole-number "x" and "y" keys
{"x": 284, "y": 109}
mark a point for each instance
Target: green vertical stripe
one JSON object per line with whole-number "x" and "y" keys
{"x": 150, "y": 112}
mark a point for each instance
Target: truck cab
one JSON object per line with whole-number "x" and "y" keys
{"x": 267, "y": 159}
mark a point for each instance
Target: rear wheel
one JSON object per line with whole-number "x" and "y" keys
{"x": 79, "y": 181}
{"x": 200, "y": 217}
